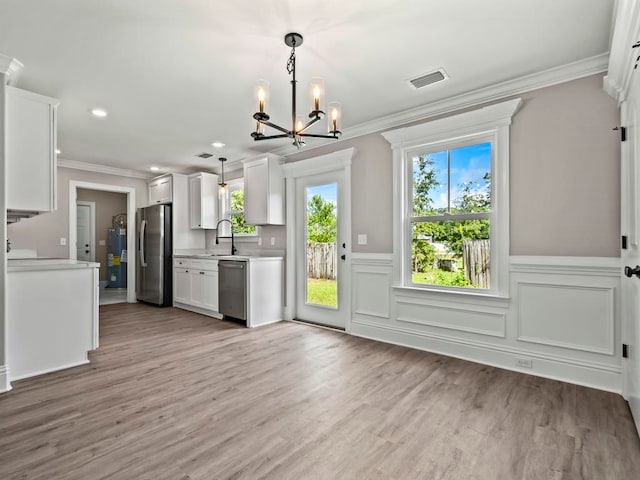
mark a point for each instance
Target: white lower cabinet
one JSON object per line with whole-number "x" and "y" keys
{"x": 196, "y": 285}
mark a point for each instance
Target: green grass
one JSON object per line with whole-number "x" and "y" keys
{"x": 322, "y": 292}
{"x": 435, "y": 276}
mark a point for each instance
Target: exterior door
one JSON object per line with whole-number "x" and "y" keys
{"x": 321, "y": 246}
{"x": 631, "y": 256}
{"x": 85, "y": 227}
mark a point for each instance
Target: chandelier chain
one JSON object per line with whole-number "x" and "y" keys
{"x": 291, "y": 64}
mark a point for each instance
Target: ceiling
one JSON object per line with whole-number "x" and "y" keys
{"x": 175, "y": 76}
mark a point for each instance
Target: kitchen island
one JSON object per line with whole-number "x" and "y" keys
{"x": 52, "y": 309}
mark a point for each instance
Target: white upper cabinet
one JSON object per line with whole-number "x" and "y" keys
{"x": 161, "y": 190}
{"x": 203, "y": 200}
{"x": 264, "y": 191}
{"x": 31, "y": 151}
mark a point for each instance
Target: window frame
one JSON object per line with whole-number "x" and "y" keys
{"x": 449, "y": 144}
{"x": 488, "y": 123}
{"x": 226, "y": 212}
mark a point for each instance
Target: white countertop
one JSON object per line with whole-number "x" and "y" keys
{"x": 37, "y": 264}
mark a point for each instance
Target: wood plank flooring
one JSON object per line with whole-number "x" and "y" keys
{"x": 175, "y": 395}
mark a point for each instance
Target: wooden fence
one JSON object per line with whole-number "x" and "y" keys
{"x": 475, "y": 259}
{"x": 321, "y": 260}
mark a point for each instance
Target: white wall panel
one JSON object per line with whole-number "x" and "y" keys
{"x": 568, "y": 316}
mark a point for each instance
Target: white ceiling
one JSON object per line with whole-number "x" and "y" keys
{"x": 176, "y": 75}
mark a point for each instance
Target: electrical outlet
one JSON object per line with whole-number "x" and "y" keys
{"x": 63, "y": 241}
{"x": 102, "y": 243}
{"x": 524, "y": 363}
{"x": 273, "y": 240}
{"x": 362, "y": 239}
{"x": 259, "y": 241}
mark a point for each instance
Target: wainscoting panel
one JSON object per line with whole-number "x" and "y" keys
{"x": 567, "y": 316}
{"x": 453, "y": 317}
{"x": 371, "y": 287}
{"x": 561, "y": 319}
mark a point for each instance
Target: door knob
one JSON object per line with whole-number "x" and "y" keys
{"x": 629, "y": 272}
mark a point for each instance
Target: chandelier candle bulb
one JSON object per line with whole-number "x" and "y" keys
{"x": 262, "y": 93}
{"x": 317, "y": 91}
{"x": 334, "y": 117}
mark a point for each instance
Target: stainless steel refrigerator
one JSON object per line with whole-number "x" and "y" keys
{"x": 154, "y": 256}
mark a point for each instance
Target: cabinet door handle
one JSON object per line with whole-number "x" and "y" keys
{"x": 201, "y": 273}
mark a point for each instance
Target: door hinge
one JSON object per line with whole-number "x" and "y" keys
{"x": 624, "y": 242}
{"x": 623, "y": 133}
{"x": 625, "y": 350}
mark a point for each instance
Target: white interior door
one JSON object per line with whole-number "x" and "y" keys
{"x": 85, "y": 226}
{"x": 631, "y": 255}
{"x": 321, "y": 249}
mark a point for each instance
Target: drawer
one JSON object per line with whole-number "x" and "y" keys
{"x": 182, "y": 262}
{"x": 209, "y": 265}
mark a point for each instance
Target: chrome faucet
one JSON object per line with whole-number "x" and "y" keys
{"x": 233, "y": 246}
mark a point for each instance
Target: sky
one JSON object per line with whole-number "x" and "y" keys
{"x": 328, "y": 192}
{"x": 468, "y": 164}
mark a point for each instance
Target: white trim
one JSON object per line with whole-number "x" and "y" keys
{"x": 131, "y": 220}
{"x": 320, "y": 164}
{"x": 546, "y": 78}
{"x": 371, "y": 258}
{"x": 5, "y": 385}
{"x": 601, "y": 266}
{"x": 490, "y": 123}
{"x": 92, "y": 167}
{"x": 626, "y": 32}
{"x": 10, "y": 68}
{"x": 92, "y": 226}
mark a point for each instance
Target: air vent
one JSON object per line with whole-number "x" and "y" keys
{"x": 429, "y": 78}
{"x": 205, "y": 155}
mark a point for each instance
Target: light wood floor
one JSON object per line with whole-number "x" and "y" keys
{"x": 175, "y": 395}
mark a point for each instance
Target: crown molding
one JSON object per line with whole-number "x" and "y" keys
{"x": 92, "y": 167}
{"x": 546, "y": 78}
{"x": 10, "y": 67}
{"x": 626, "y": 32}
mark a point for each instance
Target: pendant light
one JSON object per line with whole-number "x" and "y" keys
{"x": 222, "y": 185}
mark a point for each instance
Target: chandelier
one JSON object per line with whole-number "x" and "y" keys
{"x": 299, "y": 125}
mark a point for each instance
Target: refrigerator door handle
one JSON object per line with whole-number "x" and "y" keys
{"x": 143, "y": 233}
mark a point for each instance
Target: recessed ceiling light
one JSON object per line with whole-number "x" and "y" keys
{"x": 98, "y": 112}
{"x": 154, "y": 169}
{"x": 217, "y": 144}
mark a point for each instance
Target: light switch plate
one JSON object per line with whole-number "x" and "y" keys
{"x": 102, "y": 243}
{"x": 362, "y": 239}
{"x": 63, "y": 241}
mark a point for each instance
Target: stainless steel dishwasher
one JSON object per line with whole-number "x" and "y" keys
{"x": 232, "y": 288}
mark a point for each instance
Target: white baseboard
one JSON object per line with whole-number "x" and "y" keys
{"x": 5, "y": 385}
{"x": 50, "y": 370}
{"x": 600, "y": 376}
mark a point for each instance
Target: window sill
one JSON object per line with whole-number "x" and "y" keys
{"x": 458, "y": 296}
{"x": 241, "y": 239}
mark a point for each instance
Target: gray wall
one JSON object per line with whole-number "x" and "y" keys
{"x": 565, "y": 176}
{"x": 43, "y": 232}
{"x": 108, "y": 204}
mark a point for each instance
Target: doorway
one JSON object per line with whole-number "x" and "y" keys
{"x": 318, "y": 239}
{"x": 127, "y": 294}
{"x": 86, "y": 231}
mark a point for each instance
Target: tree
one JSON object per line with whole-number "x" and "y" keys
{"x": 237, "y": 213}
{"x": 424, "y": 179}
{"x": 321, "y": 220}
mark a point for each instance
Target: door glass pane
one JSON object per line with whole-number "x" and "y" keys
{"x": 322, "y": 250}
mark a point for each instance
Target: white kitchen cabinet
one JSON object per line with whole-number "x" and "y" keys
{"x": 203, "y": 200}
{"x": 31, "y": 151}
{"x": 264, "y": 191}
{"x": 161, "y": 190}
{"x": 181, "y": 285}
{"x": 196, "y": 285}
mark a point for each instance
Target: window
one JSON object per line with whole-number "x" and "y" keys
{"x": 451, "y": 211}
{"x": 232, "y": 208}
{"x": 450, "y": 221}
